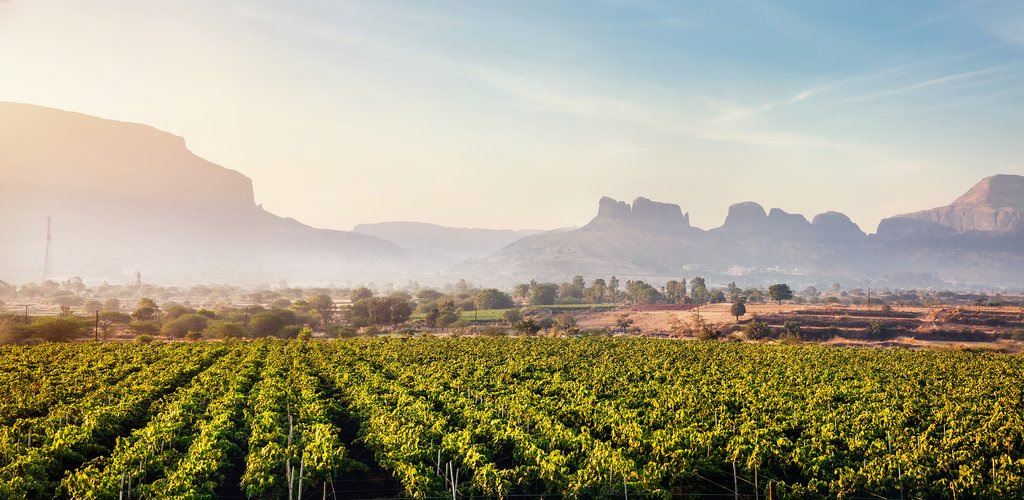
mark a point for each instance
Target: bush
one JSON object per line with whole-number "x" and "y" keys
{"x": 342, "y": 331}
{"x": 305, "y": 334}
{"x": 701, "y": 329}
{"x": 141, "y": 327}
{"x": 876, "y": 330}
{"x": 792, "y": 330}
{"x": 756, "y": 330}
{"x": 193, "y": 336}
{"x": 224, "y": 330}
{"x": 290, "y": 332}
{"x": 182, "y": 325}
{"x": 492, "y": 331}
{"x": 1017, "y": 334}
{"x": 52, "y": 329}
{"x": 144, "y": 338}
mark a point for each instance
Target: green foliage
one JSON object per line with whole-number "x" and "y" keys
{"x": 224, "y": 330}
{"x": 492, "y": 298}
{"x": 146, "y": 310}
{"x": 543, "y": 294}
{"x": 792, "y": 329}
{"x": 701, "y": 329}
{"x": 141, "y": 327}
{"x": 513, "y": 415}
{"x": 877, "y": 329}
{"x": 361, "y": 293}
{"x": 639, "y": 292}
{"x": 779, "y": 292}
{"x": 756, "y": 330}
{"x": 181, "y": 325}
{"x": 266, "y": 324}
{"x": 738, "y": 308}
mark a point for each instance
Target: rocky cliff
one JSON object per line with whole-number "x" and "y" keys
{"x": 995, "y": 204}
{"x": 127, "y": 197}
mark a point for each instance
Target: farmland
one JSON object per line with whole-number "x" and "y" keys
{"x": 507, "y": 416}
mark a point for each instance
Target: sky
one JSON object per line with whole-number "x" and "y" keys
{"x": 523, "y": 114}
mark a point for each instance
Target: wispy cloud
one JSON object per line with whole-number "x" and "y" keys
{"x": 973, "y": 75}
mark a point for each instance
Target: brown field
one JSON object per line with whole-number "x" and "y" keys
{"x": 968, "y": 327}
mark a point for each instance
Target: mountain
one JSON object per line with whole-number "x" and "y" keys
{"x": 976, "y": 240}
{"x": 993, "y": 205}
{"x": 449, "y": 243}
{"x": 126, "y": 197}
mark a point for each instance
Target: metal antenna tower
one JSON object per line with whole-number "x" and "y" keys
{"x": 48, "y": 263}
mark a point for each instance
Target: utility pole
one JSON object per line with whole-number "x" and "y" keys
{"x": 48, "y": 261}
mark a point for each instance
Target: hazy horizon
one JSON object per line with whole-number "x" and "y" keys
{"x": 521, "y": 116}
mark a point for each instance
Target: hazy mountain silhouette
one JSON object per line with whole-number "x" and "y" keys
{"x": 127, "y": 197}
{"x": 448, "y": 243}
{"x": 977, "y": 240}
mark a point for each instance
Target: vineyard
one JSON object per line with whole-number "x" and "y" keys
{"x": 507, "y": 417}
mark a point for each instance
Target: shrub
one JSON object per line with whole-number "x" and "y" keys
{"x": 182, "y": 325}
{"x": 193, "y": 336}
{"x": 56, "y": 329}
{"x": 144, "y": 338}
{"x": 1017, "y": 334}
{"x": 224, "y": 330}
{"x": 792, "y": 330}
{"x": 756, "y": 330}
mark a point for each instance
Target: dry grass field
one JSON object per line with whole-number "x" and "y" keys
{"x": 998, "y": 328}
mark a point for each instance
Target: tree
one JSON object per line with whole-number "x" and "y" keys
{"x": 675, "y": 291}
{"x": 144, "y": 327}
{"x": 92, "y": 306}
{"x": 323, "y": 306}
{"x": 389, "y": 310}
{"x": 111, "y": 305}
{"x": 224, "y": 330}
{"x": 623, "y": 322}
{"x": 53, "y": 329}
{"x": 431, "y": 319}
{"x": 613, "y": 288}
{"x": 699, "y": 290}
{"x": 565, "y": 324}
{"x": 521, "y": 291}
{"x": 360, "y": 294}
{"x": 595, "y": 294}
{"x": 266, "y": 324}
{"x": 543, "y": 294}
{"x": 146, "y": 310}
{"x": 779, "y": 292}
{"x": 429, "y": 295}
{"x": 178, "y": 327}
{"x": 734, "y": 292}
{"x": 641, "y": 293}
{"x": 492, "y": 298}
{"x": 513, "y": 316}
{"x": 571, "y": 292}
{"x": 738, "y": 308}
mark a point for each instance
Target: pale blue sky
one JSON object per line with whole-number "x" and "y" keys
{"x": 522, "y": 114}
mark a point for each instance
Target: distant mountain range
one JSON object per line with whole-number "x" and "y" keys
{"x": 448, "y": 243}
{"x": 978, "y": 239}
{"x": 126, "y": 197}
